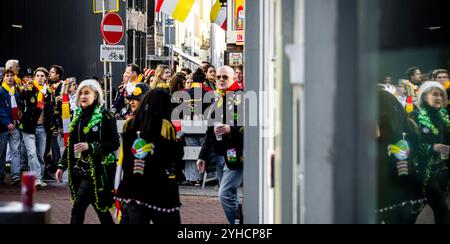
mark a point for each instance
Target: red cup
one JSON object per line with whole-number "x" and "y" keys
{"x": 28, "y": 189}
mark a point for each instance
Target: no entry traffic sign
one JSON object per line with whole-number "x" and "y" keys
{"x": 112, "y": 28}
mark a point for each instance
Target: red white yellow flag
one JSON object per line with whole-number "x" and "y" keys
{"x": 177, "y": 9}
{"x": 219, "y": 15}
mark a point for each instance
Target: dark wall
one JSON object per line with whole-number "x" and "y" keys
{"x": 405, "y": 37}
{"x": 54, "y": 32}
{"x": 405, "y": 23}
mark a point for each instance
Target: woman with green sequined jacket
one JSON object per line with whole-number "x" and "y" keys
{"x": 89, "y": 155}
{"x": 433, "y": 150}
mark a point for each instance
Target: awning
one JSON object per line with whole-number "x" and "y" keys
{"x": 187, "y": 56}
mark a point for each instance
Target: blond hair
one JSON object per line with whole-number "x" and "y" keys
{"x": 158, "y": 73}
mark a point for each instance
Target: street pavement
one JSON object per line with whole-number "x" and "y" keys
{"x": 199, "y": 206}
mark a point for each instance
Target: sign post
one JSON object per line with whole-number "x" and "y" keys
{"x": 112, "y": 30}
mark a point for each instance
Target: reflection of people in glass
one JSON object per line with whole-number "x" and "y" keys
{"x": 399, "y": 194}
{"x": 432, "y": 158}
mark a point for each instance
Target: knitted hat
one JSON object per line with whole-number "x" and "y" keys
{"x": 148, "y": 72}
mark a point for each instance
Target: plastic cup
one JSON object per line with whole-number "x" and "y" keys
{"x": 77, "y": 155}
{"x": 216, "y": 125}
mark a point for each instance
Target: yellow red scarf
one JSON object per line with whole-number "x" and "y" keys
{"x": 139, "y": 79}
{"x": 17, "y": 80}
{"x": 41, "y": 95}
{"x": 221, "y": 96}
{"x": 14, "y": 108}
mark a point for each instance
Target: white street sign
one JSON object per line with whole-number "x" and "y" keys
{"x": 112, "y": 53}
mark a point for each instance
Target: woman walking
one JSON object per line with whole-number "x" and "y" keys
{"x": 89, "y": 156}
{"x": 433, "y": 150}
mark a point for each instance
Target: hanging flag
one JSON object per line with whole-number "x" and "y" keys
{"x": 117, "y": 180}
{"x": 66, "y": 117}
{"x": 219, "y": 15}
{"x": 177, "y": 9}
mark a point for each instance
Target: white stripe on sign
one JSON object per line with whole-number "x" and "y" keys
{"x": 169, "y": 6}
{"x": 113, "y": 28}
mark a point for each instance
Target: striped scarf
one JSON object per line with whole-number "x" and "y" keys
{"x": 42, "y": 92}
{"x": 14, "y": 108}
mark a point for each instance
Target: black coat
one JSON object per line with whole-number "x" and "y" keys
{"x": 157, "y": 188}
{"x": 31, "y": 113}
{"x": 232, "y": 145}
{"x": 103, "y": 140}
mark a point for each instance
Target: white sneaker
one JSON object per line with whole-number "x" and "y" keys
{"x": 40, "y": 184}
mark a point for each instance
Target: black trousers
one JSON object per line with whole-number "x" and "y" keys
{"x": 85, "y": 197}
{"x": 138, "y": 214}
{"x": 436, "y": 194}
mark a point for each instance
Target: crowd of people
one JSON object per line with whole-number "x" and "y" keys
{"x": 413, "y": 147}
{"x": 43, "y": 109}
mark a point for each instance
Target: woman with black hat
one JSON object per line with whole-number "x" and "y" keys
{"x": 135, "y": 99}
{"x": 151, "y": 156}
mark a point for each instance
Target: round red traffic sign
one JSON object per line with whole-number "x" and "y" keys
{"x": 112, "y": 28}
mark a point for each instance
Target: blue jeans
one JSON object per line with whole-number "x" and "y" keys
{"x": 190, "y": 169}
{"x": 220, "y": 164}
{"x": 14, "y": 145}
{"x": 23, "y": 155}
{"x": 35, "y": 144}
{"x": 231, "y": 181}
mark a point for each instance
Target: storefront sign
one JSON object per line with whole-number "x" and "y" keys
{"x": 240, "y": 38}
{"x": 236, "y": 59}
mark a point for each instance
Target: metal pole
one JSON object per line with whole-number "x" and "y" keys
{"x": 110, "y": 86}
{"x": 105, "y": 74}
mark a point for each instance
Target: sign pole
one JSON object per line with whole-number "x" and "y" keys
{"x": 110, "y": 86}
{"x": 105, "y": 71}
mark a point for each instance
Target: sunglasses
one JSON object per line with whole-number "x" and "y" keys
{"x": 225, "y": 77}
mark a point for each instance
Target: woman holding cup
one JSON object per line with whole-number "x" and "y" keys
{"x": 433, "y": 151}
{"x": 89, "y": 155}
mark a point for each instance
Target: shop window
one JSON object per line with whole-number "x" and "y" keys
{"x": 407, "y": 167}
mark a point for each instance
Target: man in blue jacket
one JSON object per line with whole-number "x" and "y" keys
{"x": 9, "y": 122}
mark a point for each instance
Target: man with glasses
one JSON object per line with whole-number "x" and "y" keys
{"x": 225, "y": 137}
